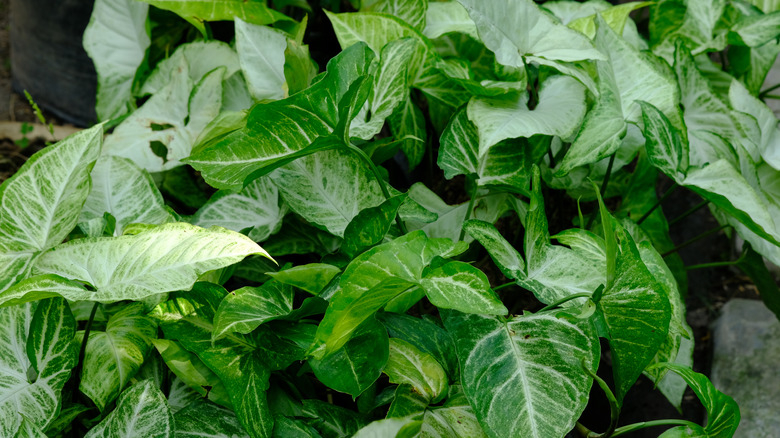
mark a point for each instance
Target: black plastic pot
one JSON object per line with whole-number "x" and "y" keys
{"x": 48, "y": 60}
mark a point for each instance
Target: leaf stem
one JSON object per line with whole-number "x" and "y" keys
{"x": 379, "y": 180}
{"x": 603, "y": 189}
{"x": 694, "y": 240}
{"x": 614, "y": 406}
{"x": 505, "y": 285}
{"x": 565, "y": 299}
{"x": 718, "y": 264}
{"x": 636, "y": 426}
{"x": 657, "y": 204}
{"x": 75, "y": 376}
{"x": 469, "y": 209}
{"x": 764, "y": 93}
{"x": 690, "y": 211}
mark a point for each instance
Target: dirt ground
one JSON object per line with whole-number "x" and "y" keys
{"x": 708, "y": 289}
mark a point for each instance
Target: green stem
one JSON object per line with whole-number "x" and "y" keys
{"x": 772, "y": 96}
{"x": 763, "y": 94}
{"x": 563, "y": 300}
{"x": 694, "y": 240}
{"x": 552, "y": 158}
{"x": 657, "y": 204}
{"x": 718, "y": 264}
{"x": 379, "y": 180}
{"x": 603, "y": 189}
{"x": 534, "y": 97}
{"x": 645, "y": 424}
{"x": 75, "y": 375}
{"x": 690, "y": 211}
{"x": 469, "y": 209}
{"x": 614, "y": 406}
{"x": 505, "y": 285}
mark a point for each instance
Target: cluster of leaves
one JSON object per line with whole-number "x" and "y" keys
{"x": 136, "y": 301}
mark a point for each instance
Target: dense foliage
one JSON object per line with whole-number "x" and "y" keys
{"x": 137, "y": 302}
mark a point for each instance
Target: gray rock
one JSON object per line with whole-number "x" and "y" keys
{"x": 745, "y": 365}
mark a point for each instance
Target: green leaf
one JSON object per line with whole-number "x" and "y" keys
{"x": 370, "y": 226}
{"x": 635, "y": 308}
{"x": 294, "y": 428}
{"x": 121, "y": 188}
{"x": 560, "y": 112}
{"x": 376, "y": 30}
{"x": 665, "y": 149}
{"x": 454, "y": 418}
{"x": 35, "y": 339}
{"x": 357, "y": 363}
{"x": 39, "y": 287}
{"x": 412, "y": 12}
{"x": 753, "y": 265}
{"x": 256, "y": 207}
{"x": 408, "y": 125}
{"x": 524, "y": 376}
{"x": 328, "y": 188}
{"x": 113, "y": 356}
{"x": 40, "y": 204}
{"x": 312, "y": 277}
{"x": 407, "y": 364}
{"x": 161, "y": 133}
{"x": 261, "y": 54}
{"x": 427, "y": 336}
{"x": 201, "y": 57}
{"x": 198, "y": 11}
{"x": 276, "y": 130}
{"x": 141, "y": 411}
{"x": 615, "y": 17}
{"x": 768, "y": 136}
{"x": 330, "y": 420}
{"x": 384, "y": 428}
{"x": 463, "y": 287}
{"x": 505, "y": 163}
{"x": 446, "y": 17}
{"x": 722, "y": 411}
{"x": 204, "y": 419}
{"x": 514, "y": 29}
{"x": 192, "y": 371}
{"x": 117, "y": 31}
{"x": 373, "y": 279}
{"x": 243, "y": 310}
{"x": 158, "y": 259}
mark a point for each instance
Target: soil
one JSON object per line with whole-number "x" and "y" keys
{"x": 708, "y": 289}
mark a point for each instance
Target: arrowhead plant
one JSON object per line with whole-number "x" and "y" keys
{"x": 259, "y": 239}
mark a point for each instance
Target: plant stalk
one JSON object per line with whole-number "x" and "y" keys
{"x": 657, "y": 204}
{"x": 694, "y": 240}
{"x": 718, "y": 264}
{"x": 603, "y": 189}
{"x": 469, "y": 208}
{"x": 764, "y": 93}
{"x": 563, "y": 300}
{"x": 689, "y": 212}
{"x": 75, "y": 376}
{"x": 614, "y": 406}
{"x": 636, "y": 426}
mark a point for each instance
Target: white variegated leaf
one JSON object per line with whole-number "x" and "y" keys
{"x": 159, "y": 259}
{"x": 445, "y": 17}
{"x": 141, "y": 411}
{"x": 261, "y": 54}
{"x": 407, "y": 364}
{"x": 201, "y": 57}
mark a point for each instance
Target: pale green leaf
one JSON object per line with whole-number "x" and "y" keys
{"x": 203, "y": 419}
{"x": 35, "y": 339}
{"x": 256, "y": 207}
{"x": 450, "y": 217}
{"x": 461, "y": 286}
{"x": 768, "y": 136}
{"x": 116, "y": 39}
{"x": 312, "y": 277}
{"x": 408, "y": 125}
{"x": 560, "y": 112}
{"x": 665, "y": 150}
{"x": 389, "y": 427}
{"x": 159, "y": 259}
{"x": 198, "y": 11}
{"x": 615, "y": 17}
{"x": 756, "y": 30}
{"x": 163, "y": 130}
{"x": 445, "y": 17}
{"x": 113, "y": 356}
{"x": 244, "y": 309}
{"x": 505, "y": 164}
{"x": 277, "y": 130}
{"x": 514, "y": 29}
{"x": 390, "y": 88}
{"x": 201, "y": 57}
{"x": 328, "y": 188}
{"x": 407, "y": 364}
{"x": 374, "y": 29}
{"x": 524, "y": 376}
{"x": 121, "y": 188}
{"x": 261, "y": 54}
{"x": 454, "y": 419}
{"x": 141, "y": 411}
{"x": 39, "y": 287}
{"x": 40, "y": 204}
